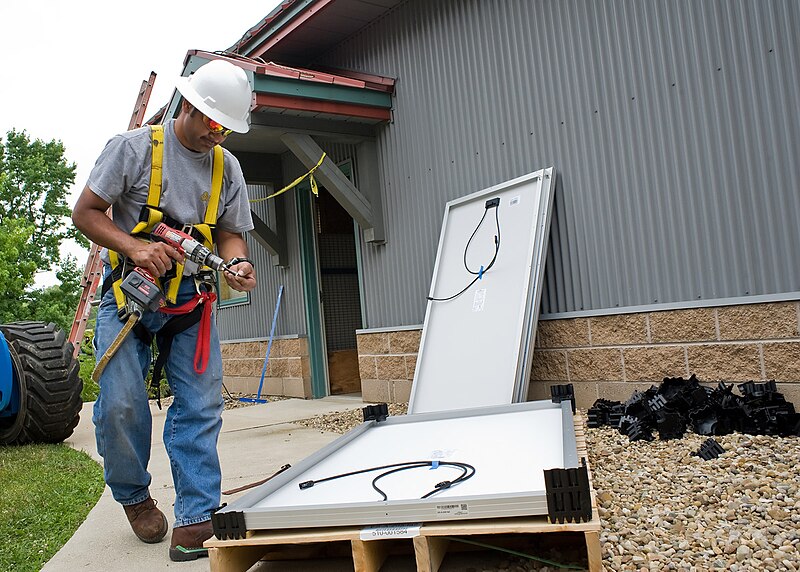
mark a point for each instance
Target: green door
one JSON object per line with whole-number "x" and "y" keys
{"x": 343, "y": 377}
{"x": 311, "y": 292}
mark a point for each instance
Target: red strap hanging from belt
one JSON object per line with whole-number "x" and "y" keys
{"x": 203, "y": 347}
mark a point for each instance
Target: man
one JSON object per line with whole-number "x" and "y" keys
{"x": 149, "y": 175}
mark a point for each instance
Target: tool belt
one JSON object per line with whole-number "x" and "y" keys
{"x": 197, "y": 310}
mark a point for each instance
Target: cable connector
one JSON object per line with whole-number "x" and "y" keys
{"x": 444, "y": 485}
{"x": 306, "y": 485}
{"x": 492, "y": 203}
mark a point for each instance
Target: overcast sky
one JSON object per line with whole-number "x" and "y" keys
{"x": 71, "y": 70}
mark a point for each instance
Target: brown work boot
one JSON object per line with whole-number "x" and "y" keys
{"x": 148, "y": 523}
{"x": 187, "y": 541}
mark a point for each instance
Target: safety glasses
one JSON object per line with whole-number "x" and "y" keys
{"x": 216, "y": 128}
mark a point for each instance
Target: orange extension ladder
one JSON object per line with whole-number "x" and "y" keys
{"x": 92, "y": 272}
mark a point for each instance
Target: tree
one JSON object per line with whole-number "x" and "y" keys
{"x": 34, "y": 183}
{"x": 16, "y": 272}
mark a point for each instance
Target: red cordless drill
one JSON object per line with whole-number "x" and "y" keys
{"x": 190, "y": 248}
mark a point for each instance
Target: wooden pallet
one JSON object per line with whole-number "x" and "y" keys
{"x": 429, "y": 548}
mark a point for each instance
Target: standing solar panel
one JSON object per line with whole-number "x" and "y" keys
{"x": 476, "y": 348}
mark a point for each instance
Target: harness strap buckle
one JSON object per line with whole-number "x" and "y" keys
{"x": 124, "y": 313}
{"x": 205, "y": 281}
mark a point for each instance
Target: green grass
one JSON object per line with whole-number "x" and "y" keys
{"x": 87, "y": 361}
{"x": 90, "y": 388}
{"x": 47, "y": 491}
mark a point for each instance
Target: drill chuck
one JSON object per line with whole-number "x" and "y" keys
{"x": 196, "y": 252}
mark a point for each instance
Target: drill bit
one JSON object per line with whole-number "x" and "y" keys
{"x": 227, "y": 269}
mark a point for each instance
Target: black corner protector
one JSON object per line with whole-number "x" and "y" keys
{"x": 709, "y": 449}
{"x": 559, "y": 393}
{"x": 228, "y": 525}
{"x": 377, "y": 412}
{"x": 569, "y": 498}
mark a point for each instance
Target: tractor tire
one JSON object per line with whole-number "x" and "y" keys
{"x": 49, "y": 385}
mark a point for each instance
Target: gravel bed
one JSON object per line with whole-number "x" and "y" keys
{"x": 343, "y": 421}
{"x": 664, "y": 509}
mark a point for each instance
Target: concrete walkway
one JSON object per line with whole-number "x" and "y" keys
{"x": 255, "y": 442}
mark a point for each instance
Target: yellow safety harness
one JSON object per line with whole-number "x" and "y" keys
{"x": 151, "y": 215}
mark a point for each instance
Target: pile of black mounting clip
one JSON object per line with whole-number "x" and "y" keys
{"x": 679, "y": 404}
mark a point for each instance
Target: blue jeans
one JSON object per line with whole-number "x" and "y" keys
{"x": 123, "y": 424}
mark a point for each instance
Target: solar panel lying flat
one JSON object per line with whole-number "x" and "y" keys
{"x": 508, "y": 475}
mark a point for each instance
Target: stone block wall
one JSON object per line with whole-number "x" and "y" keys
{"x": 288, "y": 370}
{"x": 386, "y": 363}
{"x": 611, "y": 356}
{"x": 604, "y": 356}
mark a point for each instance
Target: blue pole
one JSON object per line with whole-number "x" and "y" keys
{"x": 269, "y": 347}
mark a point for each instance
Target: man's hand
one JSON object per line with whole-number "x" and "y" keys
{"x": 245, "y": 281}
{"x": 231, "y": 245}
{"x": 155, "y": 257}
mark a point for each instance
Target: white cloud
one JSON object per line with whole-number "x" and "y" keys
{"x": 72, "y": 70}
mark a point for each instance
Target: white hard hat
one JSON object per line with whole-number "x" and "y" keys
{"x": 221, "y": 92}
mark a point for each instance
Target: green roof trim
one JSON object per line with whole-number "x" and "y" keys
{"x": 321, "y": 91}
{"x": 292, "y": 87}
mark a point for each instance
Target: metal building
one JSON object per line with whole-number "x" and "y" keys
{"x": 671, "y": 124}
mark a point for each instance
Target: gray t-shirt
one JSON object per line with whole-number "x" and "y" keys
{"x": 121, "y": 176}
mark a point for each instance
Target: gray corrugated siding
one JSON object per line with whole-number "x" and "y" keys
{"x": 672, "y": 124}
{"x": 254, "y": 320}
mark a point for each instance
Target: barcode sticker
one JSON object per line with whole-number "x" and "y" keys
{"x": 450, "y": 510}
{"x": 390, "y": 531}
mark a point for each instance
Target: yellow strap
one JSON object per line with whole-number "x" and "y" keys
{"x": 217, "y": 170}
{"x": 297, "y": 181}
{"x": 154, "y": 195}
{"x": 154, "y": 216}
{"x": 119, "y": 295}
{"x": 205, "y": 230}
{"x": 173, "y": 284}
{"x": 112, "y": 349}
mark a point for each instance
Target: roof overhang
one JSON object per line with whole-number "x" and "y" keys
{"x": 298, "y": 31}
{"x": 307, "y": 93}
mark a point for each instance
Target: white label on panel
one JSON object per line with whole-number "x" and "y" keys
{"x": 390, "y": 531}
{"x": 480, "y": 298}
{"x": 450, "y": 510}
{"x": 514, "y": 201}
